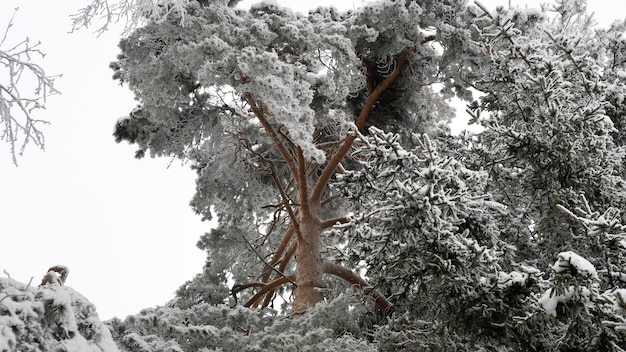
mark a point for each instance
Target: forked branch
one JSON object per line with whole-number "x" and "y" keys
{"x": 281, "y": 268}
{"x": 20, "y": 126}
{"x": 277, "y": 257}
{"x": 372, "y": 98}
{"x": 269, "y": 287}
{"x": 258, "y": 112}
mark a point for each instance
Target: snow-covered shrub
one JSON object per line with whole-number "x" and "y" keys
{"x": 206, "y": 327}
{"x": 49, "y": 318}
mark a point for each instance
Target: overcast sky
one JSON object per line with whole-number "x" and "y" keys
{"x": 122, "y": 226}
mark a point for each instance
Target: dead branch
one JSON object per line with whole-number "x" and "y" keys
{"x": 266, "y": 273}
{"x": 331, "y": 222}
{"x": 238, "y": 288}
{"x": 267, "y": 265}
{"x": 279, "y": 186}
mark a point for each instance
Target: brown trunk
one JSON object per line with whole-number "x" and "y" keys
{"x": 309, "y": 264}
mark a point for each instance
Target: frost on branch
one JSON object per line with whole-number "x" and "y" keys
{"x": 574, "y": 265}
{"x": 605, "y": 238}
{"x": 551, "y": 298}
{"x": 19, "y": 74}
{"x": 329, "y": 326}
{"x": 575, "y": 295}
{"x": 425, "y": 220}
{"x": 109, "y": 12}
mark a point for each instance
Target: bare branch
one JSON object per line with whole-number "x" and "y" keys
{"x": 331, "y": 222}
{"x": 265, "y": 276}
{"x": 284, "y": 261}
{"x": 269, "y": 287}
{"x": 20, "y": 127}
{"x": 292, "y": 215}
{"x": 133, "y": 12}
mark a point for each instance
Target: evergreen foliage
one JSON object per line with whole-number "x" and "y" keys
{"x": 49, "y": 318}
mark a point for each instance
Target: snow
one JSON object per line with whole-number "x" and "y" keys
{"x": 569, "y": 259}
{"x": 618, "y": 297}
{"x": 55, "y": 317}
{"x": 512, "y": 278}
{"x": 274, "y": 4}
{"x": 550, "y": 300}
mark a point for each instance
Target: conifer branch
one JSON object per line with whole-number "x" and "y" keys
{"x": 269, "y": 287}
{"x": 258, "y": 112}
{"x": 372, "y": 98}
{"x": 331, "y": 222}
{"x": 356, "y": 281}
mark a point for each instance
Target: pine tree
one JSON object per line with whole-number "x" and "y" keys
{"x": 268, "y": 116}
{"x": 320, "y": 146}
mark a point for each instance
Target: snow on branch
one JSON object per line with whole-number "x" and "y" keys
{"x": 132, "y": 11}
{"x": 572, "y": 261}
{"x": 551, "y": 298}
{"x": 18, "y": 73}
{"x": 607, "y": 224}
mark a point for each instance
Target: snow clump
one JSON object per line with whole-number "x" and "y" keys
{"x": 570, "y": 260}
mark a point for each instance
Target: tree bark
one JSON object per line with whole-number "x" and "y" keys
{"x": 309, "y": 264}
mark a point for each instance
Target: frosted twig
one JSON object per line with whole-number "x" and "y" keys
{"x": 132, "y": 11}
{"x": 16, "y": 110}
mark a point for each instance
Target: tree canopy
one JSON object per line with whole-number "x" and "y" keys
{"x": 349, "y": 218}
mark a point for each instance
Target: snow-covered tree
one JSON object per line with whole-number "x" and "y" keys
{"x": 550, "y": 84}
{"x": 320, "y": 146}
{"x": 267, "y": 104}
{"x": 50, "y": 317}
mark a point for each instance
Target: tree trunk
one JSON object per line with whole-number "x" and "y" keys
{"x": 309, "y": 264}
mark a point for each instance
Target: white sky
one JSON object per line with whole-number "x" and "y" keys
{"x": 122, "y": 226}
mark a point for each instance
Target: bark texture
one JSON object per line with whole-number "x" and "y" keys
{"x": 309, "y": 264}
